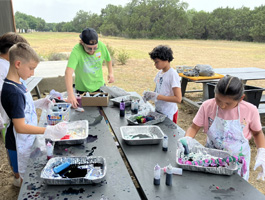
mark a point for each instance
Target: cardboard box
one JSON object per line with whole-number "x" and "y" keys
{"x": 96, "y": 101}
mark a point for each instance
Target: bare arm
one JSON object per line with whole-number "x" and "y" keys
{"x": 259, "y": 138}
{"x": 110, "y": 72}
{"x": 177, "y": 98}
{"x": 23, "y": 128}
{"x": 69, "y": 86}
{"x": 192, "y": 130}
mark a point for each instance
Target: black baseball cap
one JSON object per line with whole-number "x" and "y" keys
{"x": 89, "y": 36}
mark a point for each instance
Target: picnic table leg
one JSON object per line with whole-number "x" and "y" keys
{"x": 184, "y": 83}
{"x": 37, "y": 90}
{"x": 205, "y": 92}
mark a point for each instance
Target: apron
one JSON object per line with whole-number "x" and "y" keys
{"x": 24, "y": 142}
{"x": 228, "y": 135}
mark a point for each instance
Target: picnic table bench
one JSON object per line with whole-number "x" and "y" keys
{"x": 32, "y": 83}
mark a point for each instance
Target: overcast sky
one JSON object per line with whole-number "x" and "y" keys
{"x": 65, "y": 10}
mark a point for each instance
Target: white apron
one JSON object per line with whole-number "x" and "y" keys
{"x": 24, "y": 142}
{"x": 228, "y": 135}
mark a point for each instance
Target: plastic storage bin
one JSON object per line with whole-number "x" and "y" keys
{"x": 63, "y": 114}
{"x": 253, "y": 93}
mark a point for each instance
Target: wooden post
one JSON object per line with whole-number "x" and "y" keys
{"x": 13, "y": 16}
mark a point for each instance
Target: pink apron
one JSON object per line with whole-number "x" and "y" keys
{"x": 228, "y": 135}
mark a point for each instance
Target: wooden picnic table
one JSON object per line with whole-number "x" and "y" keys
{"x": 191, "y": 185}
{"x": 117, "y": 183}
{"x": 247, "y": 73}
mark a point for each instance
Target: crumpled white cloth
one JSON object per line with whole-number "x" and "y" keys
{"x": 260, "y": 161}
{"x": 44, "y": 103}
{"x": 150, "y": 96}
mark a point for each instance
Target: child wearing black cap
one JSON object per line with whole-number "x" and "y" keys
{"x": 86, "y": 61}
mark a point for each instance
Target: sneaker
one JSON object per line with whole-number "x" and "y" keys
{"x": 17, "y": 182}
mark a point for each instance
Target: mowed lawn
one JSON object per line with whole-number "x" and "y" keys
{"x": 138, "y": 73}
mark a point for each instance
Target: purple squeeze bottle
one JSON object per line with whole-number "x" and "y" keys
{"x": 79, "y": 100}
{"x": 122, "y": 108}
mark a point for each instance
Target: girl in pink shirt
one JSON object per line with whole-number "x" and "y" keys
{"x": 229, "y": 122}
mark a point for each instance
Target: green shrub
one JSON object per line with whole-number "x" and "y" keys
{"x": 123, "y": 57}
{"x": 57, "y": 56}
{"x": 111, "y": 50}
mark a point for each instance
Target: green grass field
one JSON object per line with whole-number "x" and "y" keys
{"x": 139, "y": 69}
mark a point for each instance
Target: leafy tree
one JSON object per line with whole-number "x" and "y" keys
{"x": 243, "y": 24}
{"x": 21, "y": 24}
{"x": 40, "y": 24}
{"x": 68, "y": 27}
{"x": 221, "y": 23}
{"x": 50, "y": 27}
{"x": 257, "y": 31}
{"x": 199, "y": 28}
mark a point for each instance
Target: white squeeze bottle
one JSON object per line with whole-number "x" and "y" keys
{"x": 174, "y": 170}
{"x": 49, "y": 149}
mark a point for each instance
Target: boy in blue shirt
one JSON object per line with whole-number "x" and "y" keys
{"x": 19, "y": 106}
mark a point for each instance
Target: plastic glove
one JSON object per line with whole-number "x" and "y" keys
{"x": 260, "y": 161}
{"x": 57, "y": 131}
{"x": 55, "y": 94}
{"x": 44, "y": 103}
{"x": 186, "y": 144}
{"x": 150, "y": 96}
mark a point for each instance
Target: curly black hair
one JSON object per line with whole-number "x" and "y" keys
{"x": 162, "y": 52}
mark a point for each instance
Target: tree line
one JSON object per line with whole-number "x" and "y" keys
{"x": 161, "y": 19}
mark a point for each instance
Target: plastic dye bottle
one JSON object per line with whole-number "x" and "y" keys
{"x": 169, "y": 175}
{"x": 134, "y": 106}
{"x": 49, "y": 149}
{"x": 122, "y": 108}
{"x": 165, "y": 143}
{"x": 55, "y": 108}
{"x": 175, "y": 170}
{"x": 157, "y": 171}
{"x": 61, "y": 167}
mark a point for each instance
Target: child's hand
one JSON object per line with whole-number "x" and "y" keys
{"x": 57, "y": 131}
{"x": 185, "y": 144}
{"x": 150, "y": 96}
{"x": 260, "y": 161}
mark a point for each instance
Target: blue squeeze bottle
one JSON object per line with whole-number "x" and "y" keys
{"x": 61, "y": 167}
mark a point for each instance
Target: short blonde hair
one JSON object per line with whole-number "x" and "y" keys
{"x": 23, "y": 52}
